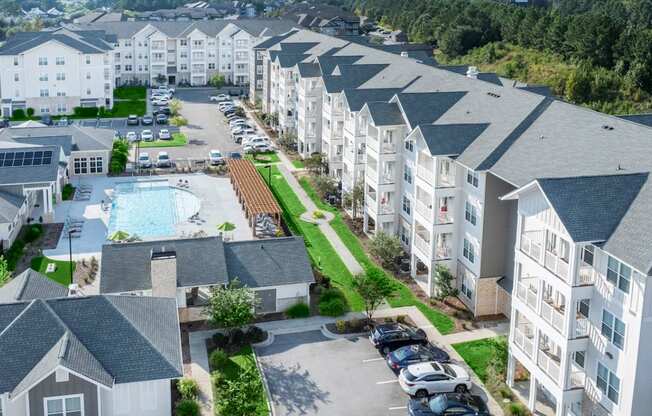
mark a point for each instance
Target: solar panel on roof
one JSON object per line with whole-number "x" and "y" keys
{"x": 31, "y": 158}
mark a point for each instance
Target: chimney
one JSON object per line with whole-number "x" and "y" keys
{"x": 163, "y": 272}
{"x": 472, "y": 72}
{"x": 74, "y": 290}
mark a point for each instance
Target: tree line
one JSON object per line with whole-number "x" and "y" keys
{"x": 615, "y": 35}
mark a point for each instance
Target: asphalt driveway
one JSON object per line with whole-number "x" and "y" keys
{"x": 309, "y": 374}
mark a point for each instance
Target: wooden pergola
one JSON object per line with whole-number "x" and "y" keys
{"x": 252, "y": 191}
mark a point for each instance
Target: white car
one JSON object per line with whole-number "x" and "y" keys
{"x": 219, "y": 97}
{"x": 237, "y": 122}
{"x": 215, "y": 157}
{"x": 257, "y": 148}
{"x": 164, "y": 89}
{"x": 243, "y": 129}
{"x": 224, "y": 105}
{"x": 163, "y": 160}
{"x": 160, "y": 101}
{"x": 131, "y": 136}
{"x": 144, "y": 160}
{"x": 146, "y": 135}
{"x": 251, "y": 140}
{"x": 164, "y": 134}
{"x": 424, "y": 379}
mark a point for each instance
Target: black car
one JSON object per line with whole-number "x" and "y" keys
{"x": 388, "y": 337}
{"x": 161, "y": 119}
{"x": 132, "y": 120}
{"x": 448, "y": 404}
{"x": 4, "y": 122}
{"x": 163, "y": 110}
{"x": 147, "y": 120}
{"x": 413, "y": 354}
{"x": 235, "y": 155}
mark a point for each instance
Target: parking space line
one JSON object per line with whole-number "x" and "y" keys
{"x": 387, "y": 382}
{"x": 368, "y": 360}
{"x": 398, "y": 408}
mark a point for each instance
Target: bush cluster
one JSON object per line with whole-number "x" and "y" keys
{"x": 298, "y": 310}
{"x": 332, "y": 303}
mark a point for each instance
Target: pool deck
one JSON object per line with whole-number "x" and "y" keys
{"x": 218, "y": 204}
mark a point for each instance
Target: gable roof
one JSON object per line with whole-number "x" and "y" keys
{"x": 126, "y": 267}
{"x": 268, "y": 43}
{"x": 45, "y": 172}
{"x": 68, "y": 138}
{"x": 87, "y": 42}
{"x": 645, "y": 119}
{"x": 29, "y": 285}
{"x": 357, "y": 97}
{"x": 351, "y": 76}
{"x": 427, "y": 107}
{"x": 385, "y": 114}
{"x": 591, "y": 207}
{"x": 309, "y": 70}
{"x": 9, "y": 206}
{"x": 108, "y": 339}
{"x": 450, "y": 139}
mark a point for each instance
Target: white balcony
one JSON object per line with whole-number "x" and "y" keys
{"x": 553, "y": 316}
{"x": 585, "y": 275}
{"x": 556, "y": 265}
{"x": 549, "y": 364}
{"x": 445, "y": 181}
{"x": 337, "y": 158}
{"x": 531, "y": 245}
{"x": 524, "y": 341}
{"x": 444, "y": 216}
{"x": 581, "y": 326}
{"x": 577, "y": 379}
{"x": 424, "y": 209}
{"x": 424, "y": 173}
{"x": 388, "y": 148}
{"x": 527, "y": 295}
{"x": 422, "y": 244}
{"x": 385, "y": 209}
{"x": 443, "y": 252}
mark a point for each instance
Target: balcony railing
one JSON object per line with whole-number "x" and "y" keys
{"x": 444, "y": 216}
{"x": 549, "y": 364}
{"x": 337, "y": 158}
{"x": 445, "y": 181}
{"x": 531, "y": 247}
{"x": 527, "y": 295}
{"x": 387, "y": 178}
{"x": 424, "y": 209}
{"x": 585, "y": 275}
{"x": 556, "y": 265}
{"x": 551, "y": 315}
{"x": 524, "y": 342}
{"x": 581, "y": 326}
{"x": 386, "y": 209}
{"x": 422, "y": 244}
{"x": 388, "y": 148}
{"x": 443, "y": 252}
{"x": 577, "y": 379}
{"x": 424, "y": 173}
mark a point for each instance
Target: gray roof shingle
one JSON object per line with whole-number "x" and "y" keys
{"x": 83, "y": 41}
{"x": 450, "y": 139}
{"x": 29, "y": 285}
{"x": 11, "y": 175}
{"x": 9, "y": 206}
{"x": 644, "y": 119}
{"x": 385, "y": 114}
{"x": 357, "y": 97}
{"x": 427, "y": 107}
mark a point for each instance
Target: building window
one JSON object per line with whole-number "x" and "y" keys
{"x": 88, "y": 59}
{"x": 407, "y": 174}
{"x": 183, "y": 67}
{"x": 61, "y": 93}
{"x": 608, "y": 383}
{"x": 16, "y": 77}
{"x": 44, "y": 110}
{"x": 88, "y": 91}
{"x": 88, "y": 74}
{"x": 95, "y": 164}
{"x": 61, "y": 76}
{"x": 613, "y": 328}
{"x": 619, "y": 274}
{"x": 197, "y": 43}
{"x": 127, "y": 43}
{"x": 64, "y": 406}
{"x": 405, "y": 235}
{"x": 117, "y": 68}
{"x": 80, "y": 166}
{"x": 60, "y": 60}
{"x": 241, "y": 43}
{"x": 183, "y": 42}
{"x": 470, "y": 213}
{"x": 467, "y": 284}
{"x": 469, "y": 251}
{"x": 43, "y": 60}
{"x": 588, "y": 254}
{"x": 15, "y": 61}
{"x": 472, "y": 178}
{"x": 409, "y": 145}
{"x": 211, "y": 66}
{"x": 62, "y": 109}
{"x": 406, "y": 205}
{"x": 44, "y": 93}
{"x": 129, "y": 68}
{"x": 43, "y": 77}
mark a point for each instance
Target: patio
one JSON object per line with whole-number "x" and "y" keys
{"x": 219, "y": 204}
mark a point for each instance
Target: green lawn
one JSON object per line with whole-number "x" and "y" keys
{"x": 298, "y": 163}
{"x": 479, "y": 353}
{"x": 239, "y": 362}
{"x": 126, "y": 108}
{"x": 60, "y": 275}
{"x": 178, "y": 139}
{"x": 307, "y": 186}
{"x": 320, "y": 250}
{"x": 264, "y": 158}
{"x": 130, "y": 93}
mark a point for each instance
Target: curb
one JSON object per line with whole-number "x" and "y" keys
{"x": 329, "y": 334}
{"x": 270, "y": 407}
{"x": 267, "y": 342}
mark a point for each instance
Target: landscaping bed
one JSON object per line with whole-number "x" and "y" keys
{"x": 61, "y": 273}
{"x": 263, "y": 158}
{"x": 178, "y": 139}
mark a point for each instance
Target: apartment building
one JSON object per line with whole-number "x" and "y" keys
{"x": 53, "y": 72}
{"x": 173, "y": 52}
{"x": 538, "y": 207}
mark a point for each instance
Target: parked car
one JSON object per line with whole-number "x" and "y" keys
{"x": 235, "y": 155}
{"x": 147, "y": 135}
{"x": 257, "y": 148}
{"x": 413, "y": 354}
{"x": 132, "y": 120}
{"x": 388, "y": 337}
{"x": 131, "y": 136}
{"x": 163, "y": 110}
{"x": 47, "y": 120}
{"x": 220, "y": 97}
{"x": 161, "y": 119}
{"x": 215, "y": 157}
{"x": 144, "y": 161}
{"x": 4, "y": 122}
{"x": 448, "y": 404}
{"x": 424, "y": 379}
{"x": 251, "y": 140}
{"x": 163, "y": 160}
{"x": 164, "y": 134}
{"x": 233, "y": 124}
{"x": 224, "y": 105}
{"x": 147, "y": 120}
{"x": 62, "y": 122}
{"x": 165, "y": 89}
{"x": 160, "y": 96}
{"x": 232, "y": 116}
{"x": 160, "y": 101}
{"x": 244, "y": 130}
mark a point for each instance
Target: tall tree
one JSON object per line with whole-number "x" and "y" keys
{"x": 231, "y": 307}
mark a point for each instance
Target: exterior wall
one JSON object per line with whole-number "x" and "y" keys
{"x": 486, "y": 297}
{"x": 150, "y": 398}
{"x": 288, "y": 295}
{"x": 496, "y": 230}
{"x": 16, "y": 407}
{"x": 104, "y": 154}
{"x": 49, "y": 387}
{"x": 503, "y": 302}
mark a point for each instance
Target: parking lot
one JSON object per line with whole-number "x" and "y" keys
{"x": 309, "y": 374}
{"x": 120, "y": 126}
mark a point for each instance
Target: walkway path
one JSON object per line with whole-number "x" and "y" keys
{"x": 349, "y": 261}
{"x": 199, "y": 370}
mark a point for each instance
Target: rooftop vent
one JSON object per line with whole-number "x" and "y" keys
{"x": 493, "y": 94}
{"x": 472, "y": 72}
{"x": 607, "y": 127}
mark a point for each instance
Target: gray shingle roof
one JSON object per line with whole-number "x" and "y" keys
{"x": 385, "y": 114}
{"x": 591, "y": 207}
{"x": 79, "y": 138}
{"x": 288, "y": 60}
{"x": 309, "y": 70}
{"x": 427, "y": 107}
{"x": 82, "y": 41}
{"x": 645, "y": 119}
{"x": 357, "y": 97}
{"x": 450, "y": 139}
{"x": 9, "y": 206}
{"x": 351, "y": 76}
{"x": 30, "y": 174}
{"x": 268, "y": 43}
{"x": 537, "y": 89}
{"x": 127, "y": 267}
{"x": 490, "y": 77}
{"x": 329, "y": 62}
{"x": 29, "y": 285}
{"x": 271, "y": 262}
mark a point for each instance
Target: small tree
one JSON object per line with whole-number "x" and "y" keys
{"x": 160, "y": 79}
{"x": 386, "y": 248}
{"x": 231, "y": 307}
{"x": 286, "y": 140}
{"x": 373, "y": 287}
{"x": 324, "y": 185}
{"x": 4, "y": 271}
{"x": 316, "y": 163}
{"x": 444, "y": 283}
{"x": 30, "y": 112}
{"x": 355, "y": 198}
{"x": 175, "y": 106}
{"x": 216, "y": 81}
{"x": 235, "y": 398}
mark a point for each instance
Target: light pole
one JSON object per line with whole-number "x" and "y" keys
{"x": 70, "y": 253}
{"x": 269, "y": 174}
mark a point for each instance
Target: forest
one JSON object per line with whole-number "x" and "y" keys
{"x": 602, "y": 47}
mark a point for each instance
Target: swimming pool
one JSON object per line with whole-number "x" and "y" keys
{"x": 150, "y": 209}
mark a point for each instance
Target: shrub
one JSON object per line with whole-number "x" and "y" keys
{"x": 218, "y": 359}
{"x": 332, "y": 307}
{"x": 517, "y": 409}
{"x": 318, "y": 215}
{"x": 255, "y": 334}
{"x": 85, "y": 111}
{"x": 30, "y": 112}
{"x": 18, "y": 113}
{"x": 237, "y": 337}
{"x": 220, "y": 340}
{"x": 298, "y": 310}
{"x": 340, "y": 325}
{"x": 506, "y": 393}
{"x": 33, "y": 232}
{"x": 178, "y": 121}
{"x": 187, "y": 388}
{"x": 329, "y": 294}
{"x": 187, "y": 407}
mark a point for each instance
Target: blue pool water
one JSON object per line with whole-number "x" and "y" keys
{"x": 150, "y": 209}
